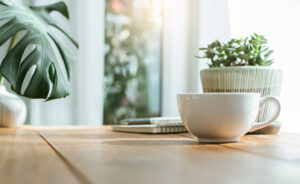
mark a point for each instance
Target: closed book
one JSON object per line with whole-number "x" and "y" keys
{"x": 151, "y": 128}
{"x": 152, "y": 120}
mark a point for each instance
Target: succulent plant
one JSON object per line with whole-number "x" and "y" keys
{"x": 247, "y": 51}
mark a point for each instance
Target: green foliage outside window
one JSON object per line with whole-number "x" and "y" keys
{"x": 128, "y": 27}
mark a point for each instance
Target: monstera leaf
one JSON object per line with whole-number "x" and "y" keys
{"x": 48, "y": 81}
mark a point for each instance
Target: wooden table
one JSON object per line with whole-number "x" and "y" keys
{"x": 97, "y": 155}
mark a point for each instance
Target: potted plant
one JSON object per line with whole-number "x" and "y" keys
{"x": 31, "y": 66}
{"x": 243, "y": 65}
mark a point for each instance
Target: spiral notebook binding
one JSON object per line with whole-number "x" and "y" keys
{"x": 160, "y": 128}
{"x": 171, "y": 128}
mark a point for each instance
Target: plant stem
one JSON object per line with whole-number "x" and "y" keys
{"x": 12, "y": 42}
{"x": 11, "y": 45}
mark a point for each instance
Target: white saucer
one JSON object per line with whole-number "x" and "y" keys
{"x": 271, "y": 129}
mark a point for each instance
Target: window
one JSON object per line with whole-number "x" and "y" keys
{"x": 132, "y": 59}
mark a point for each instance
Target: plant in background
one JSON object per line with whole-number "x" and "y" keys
{"x": 129, "y": 25}
{"x": 47, "y": 81}
{"x": 251, "y": 51}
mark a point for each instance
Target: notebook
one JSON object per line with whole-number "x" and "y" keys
{"x": 153, "y": 120}
{"x": 151, "y": 125}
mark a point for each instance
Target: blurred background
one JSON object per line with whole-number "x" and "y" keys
{"x": 136, "y": 55}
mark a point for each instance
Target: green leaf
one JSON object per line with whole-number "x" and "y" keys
{"x": 268, "y": 53}
{"x": 243, "y": 56}
{"x": 48, "y": 81}
{"x": 269, "y": 62}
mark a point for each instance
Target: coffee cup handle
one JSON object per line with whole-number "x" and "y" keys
{"x": 264, "y": 100}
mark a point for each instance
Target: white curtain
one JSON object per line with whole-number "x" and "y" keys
{"x": 177, "y": 48}
{"x": 187, "y": 26}
{"x": 84, "y": 105}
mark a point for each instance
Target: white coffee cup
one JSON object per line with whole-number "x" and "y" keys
{"x": 223, "y": 117}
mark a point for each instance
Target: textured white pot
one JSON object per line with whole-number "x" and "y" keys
{"x": 259, "y": 79}
{"x": 12, "y": 109}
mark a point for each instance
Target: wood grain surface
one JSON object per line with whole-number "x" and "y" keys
{"x": 26, "y": 158}
{"x": 98, "y": 155}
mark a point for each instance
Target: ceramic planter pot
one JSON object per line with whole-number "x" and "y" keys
{"x": 12, "y": 109}
{"x": 258, "y": 79}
